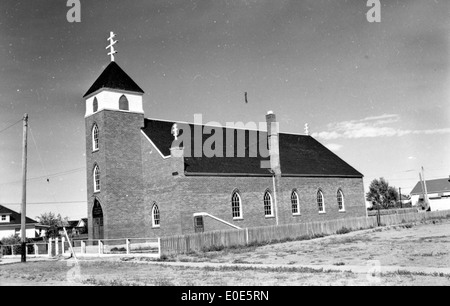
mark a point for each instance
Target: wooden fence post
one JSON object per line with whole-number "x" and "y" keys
{"x": 246, "y": 236}
{"x": 50, "y": 245}
{"x": 159, "y": 247}
{"x": 63, "y": 241}
{"x": 36, "y": 250}
{"x": 128, "y": 245}
{"x": 56, "y": 246}
{"x": 83, "y": 247}
{"x": 100, "y": 247}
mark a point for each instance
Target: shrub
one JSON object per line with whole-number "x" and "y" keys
{"x": 343, "y": 230}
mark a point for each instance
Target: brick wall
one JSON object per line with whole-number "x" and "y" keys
{"x": 120, "y": 161}
{"x": 134, "y": 176}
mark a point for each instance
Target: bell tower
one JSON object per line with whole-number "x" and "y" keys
{"x": 113, "y": 119}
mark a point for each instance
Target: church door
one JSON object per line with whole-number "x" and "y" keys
{"x": 198, "y": 225}
{"x": 97, "y": 219}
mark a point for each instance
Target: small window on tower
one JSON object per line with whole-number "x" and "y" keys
{"x": 123, "y": 103}
{"x": 95, "y": 105}
{"x": 96, "y": 179}
{"x": 95, "y": 138}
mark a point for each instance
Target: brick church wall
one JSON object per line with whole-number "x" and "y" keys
{"x": 119, "y": 158}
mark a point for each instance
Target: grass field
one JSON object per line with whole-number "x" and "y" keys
{"x": 410, "y": 249}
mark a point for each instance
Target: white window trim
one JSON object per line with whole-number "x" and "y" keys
{"x": 298, "y": 213}
{"x": 241, "y": 216}
{"x": 272, "y": 215}
{"x": 95, "y": 149}
{"x": 96, "y": 168}
{"x": 343, "y": 201}
{"x": 153, "y": 216}
{"x": 323, "y": 202}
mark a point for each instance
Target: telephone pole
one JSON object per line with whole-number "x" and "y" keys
{"x": 24, "y": 190}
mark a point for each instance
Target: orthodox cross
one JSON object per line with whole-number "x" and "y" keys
{"x": 306, "y": 129}
{"x": 112, "y": 42}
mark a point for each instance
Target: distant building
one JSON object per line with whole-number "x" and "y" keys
{"x": 10, "y": 224}
{"x": 74, "y": 228}
{"x": 438, "y": 194}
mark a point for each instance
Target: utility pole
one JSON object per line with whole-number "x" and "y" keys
{"x": 24, "y": 189}
{"x": 400, "y": 195}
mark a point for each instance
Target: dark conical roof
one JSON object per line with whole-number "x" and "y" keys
{"x": 113, "y": 77}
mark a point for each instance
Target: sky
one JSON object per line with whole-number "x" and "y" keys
{"x": 377, "y": 94}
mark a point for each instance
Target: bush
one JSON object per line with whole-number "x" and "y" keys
{"x": 343, "y": 230}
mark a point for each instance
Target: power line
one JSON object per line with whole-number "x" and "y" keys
{"x": 1, "y": 131}
{"x": 47, "y": 176}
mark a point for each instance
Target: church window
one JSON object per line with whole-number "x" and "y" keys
{"x": 340, "y": 200}
{"x": 320, "y": 201}
{"x": 268, "y": 209}
{"x": 123, "y": 103}
{"x": 155, "y": 216}
{"x": 295, "y": 203}
{"x": 95, "y": 138}
{"x": 96, "y": 178}
{"x": 236, "y": 205}
{"x": 95, "y": 104}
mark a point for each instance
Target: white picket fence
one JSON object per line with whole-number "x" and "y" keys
{"x": 143, "y": 247}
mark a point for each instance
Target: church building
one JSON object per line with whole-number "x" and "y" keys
{"x": 142, "y": 182}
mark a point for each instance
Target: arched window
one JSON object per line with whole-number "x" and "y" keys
{"x": 295, "y": 203}
{"x": 95, "y": 105}
{"x": 95, "y": 138}
{"x": 155, "y": 216}
{"x": 236, "y": 205}
{"x": 268, "y": 209}
{"x": 96, "y": 178}
{"x": 340, "y": 200}
{"x": 123, "y": 103}
{"x": 320, "y": 201}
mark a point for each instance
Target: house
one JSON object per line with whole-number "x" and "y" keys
{"x": 148, "y": 177}
{"x": 438, "y": 192}
{"x": 74, "y": 228}
{"x": 10, "y": 224}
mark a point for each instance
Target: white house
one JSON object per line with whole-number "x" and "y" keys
{"x": 438, "y": 194}
{"x": 10, "y": 223}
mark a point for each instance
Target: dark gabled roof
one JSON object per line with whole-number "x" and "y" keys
{"x": 113, "y": 77}
{"x": 15, "y": 218}
{"x": 433, "y": 186}
{"x": 299, "y": 155}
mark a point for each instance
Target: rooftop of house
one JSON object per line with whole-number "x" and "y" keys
{"x": 432, "y": 186}
{"x": 15, "y": 217}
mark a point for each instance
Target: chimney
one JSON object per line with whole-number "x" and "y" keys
{"x": 176, "y": 154}
{"x": 273, "y": 141}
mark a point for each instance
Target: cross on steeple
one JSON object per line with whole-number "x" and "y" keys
{"x": 112, "y": 42}
{"x": 175, "y": 131}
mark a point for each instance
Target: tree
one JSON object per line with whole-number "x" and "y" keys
{"x": 53, "y": 222}
{"x": 381, "y": 195}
